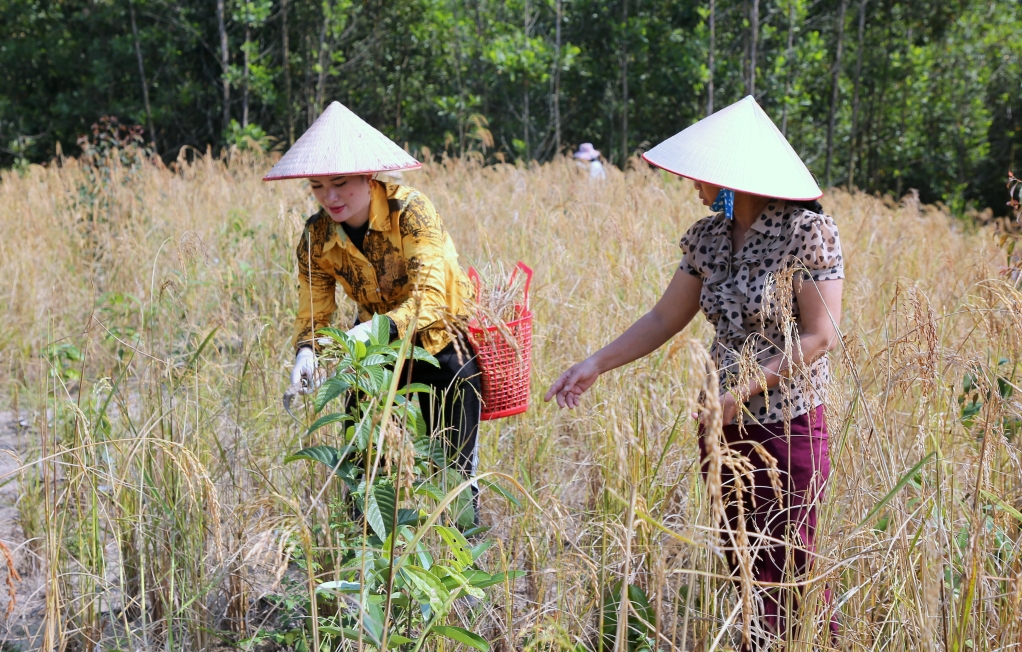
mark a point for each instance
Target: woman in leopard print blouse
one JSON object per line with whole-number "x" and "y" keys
{"x": 767, "y": 273}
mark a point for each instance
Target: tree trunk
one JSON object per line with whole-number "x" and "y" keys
{"x": 855, "y": 94}
{"x": 525, "y": 112}
{"x": 225, "y": 62}
{"x": 753, "y": 45}
{"x": 788, "y": 55}
{"x": 624, "y": 87}
{"x": 397, "y": 99}
{"x": 244, "y": 77}
{"x": 309, "y": 83}
{"x": 835, "y": 90}
{"x": 713, "y": 44}
{"x": 875, "y": 125}
{"x": 141, "y": 76}
{"x": 557, "y": 79}
{"x": 323, "y": 54}
{"x": 287, "y": 74}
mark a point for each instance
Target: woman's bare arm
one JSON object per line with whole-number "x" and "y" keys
{"x": 672, "y": 313}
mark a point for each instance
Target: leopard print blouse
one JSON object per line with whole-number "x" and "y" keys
{"x": 748, "y": 296}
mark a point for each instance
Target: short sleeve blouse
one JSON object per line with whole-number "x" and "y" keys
{"x": 747, "y": 295}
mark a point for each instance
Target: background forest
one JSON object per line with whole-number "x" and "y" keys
{"x": 884, "y": 95}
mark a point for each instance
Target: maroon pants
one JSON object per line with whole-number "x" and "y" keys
{"x": 804, "y": 465}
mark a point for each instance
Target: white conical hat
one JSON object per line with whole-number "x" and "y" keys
{"x": 340, "y": 142}
{"x": 738, "y": 148}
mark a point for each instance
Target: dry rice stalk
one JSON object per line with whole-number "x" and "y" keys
{"x": 710, "y": 417}
{"x": 395, "y": 451}
{"x": 12, "y": 577}
{"x": 749, "y": 370}
{"x": 719, "y": 455}
{"x": 772, "y": 470}
{"x": 500, "y": 301}
{"x": 741, "y": 470}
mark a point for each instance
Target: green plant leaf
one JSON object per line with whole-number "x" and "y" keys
{"x": 1002, "y": 504}
{"x": 479, "y": 549}
{"x": 429, "y": 489}
{"x": 372, "y": 621}
{"x": 331, "y": 389}
{"x": 428, "y": 586}
{"x": 423, "y": 355}
{"x": 452, "y": 579}
{"x": 380, "y": 332}
{"x": 374, "y": 359}
{"x": 429, "y": 448}
{"x": 378, "y": 375}
{"x": 1004, "y": 388}
{"x": 198, "y": 351}
{"x": 350, "y": 634}
{"x": 501, "y": 491}
{"x": 374, "y": 515}
{"x": 415, "y": 388}
{"x": 905, "y": 479}
{"x": 338, "y": 336}
{"x": 364, "y": 430}
{"x": 386, "y": 500}
{"x": 457, "y": 545}
{"x": 477, "y": 578}
{"x": 462, "y": 636}
{"x": 340, "y": 586}
{"x": 637, "y": 630}
{"x": 415, "y": 418}
{"x": 492, "y": 580}
{"x": 333, "y": 417}
{"x": 327, "y": 455}
{"x": 348, "y": 377}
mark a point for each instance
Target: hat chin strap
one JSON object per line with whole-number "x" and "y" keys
{"x": 725, "y": 201}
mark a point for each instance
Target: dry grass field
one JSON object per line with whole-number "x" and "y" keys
{"x": 145, "y": 344}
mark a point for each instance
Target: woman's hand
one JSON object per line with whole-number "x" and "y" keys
{"x": 728, "y": 410}
{"x": 669, "y": 316}
{"x": 304, "y": 371}
{"x": 569, "y": 387}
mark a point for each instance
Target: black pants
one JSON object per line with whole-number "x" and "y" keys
{"x": 452, "y": 412}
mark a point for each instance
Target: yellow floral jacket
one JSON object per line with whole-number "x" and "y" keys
{"x": 409, "y": 263}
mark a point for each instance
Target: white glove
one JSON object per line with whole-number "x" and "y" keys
{"x": 305, "y": 369}
{"x": 361, "y": 332}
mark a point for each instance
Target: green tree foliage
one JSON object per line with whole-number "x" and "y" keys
{"x": 929, "y": 93}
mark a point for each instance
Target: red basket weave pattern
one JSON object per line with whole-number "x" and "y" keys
{"x": 505, "y": 368}
{"x": 505, "y": 363}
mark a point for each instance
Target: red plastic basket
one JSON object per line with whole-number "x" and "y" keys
{"x": 504, "y": 366}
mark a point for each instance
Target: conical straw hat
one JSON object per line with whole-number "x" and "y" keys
{"x": 339, "y": 142}
{"x": 738, "y": 148}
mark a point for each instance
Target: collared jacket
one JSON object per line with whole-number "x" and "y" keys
{"x": 409, "y": 266}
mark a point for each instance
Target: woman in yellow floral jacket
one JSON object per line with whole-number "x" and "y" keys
{"x": 387, "y": 247}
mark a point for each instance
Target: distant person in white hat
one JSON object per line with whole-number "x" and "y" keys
{"x": 586, "y": 152}
{"x": 767, "y": 260}
{"x": 387, "y": 247}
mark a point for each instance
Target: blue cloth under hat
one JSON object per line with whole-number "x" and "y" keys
{"x": 725, "y": 201}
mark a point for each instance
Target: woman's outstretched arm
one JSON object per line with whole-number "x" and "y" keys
{"x": 669, "y": 316}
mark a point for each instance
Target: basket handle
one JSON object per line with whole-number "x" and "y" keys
{"x": 528, "y": 279}
{"x": 473, "y": 276}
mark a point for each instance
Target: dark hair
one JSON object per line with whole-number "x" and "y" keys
{"x": 810, "y": 205}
